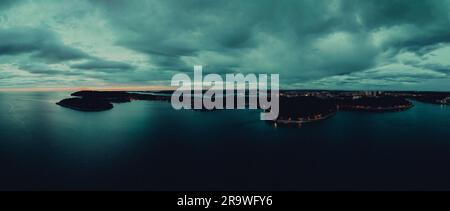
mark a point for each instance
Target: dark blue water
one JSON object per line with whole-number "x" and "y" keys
{"x": 149, "y": 146}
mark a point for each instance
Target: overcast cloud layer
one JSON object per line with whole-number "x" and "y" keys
{"x": 335, "y": 44}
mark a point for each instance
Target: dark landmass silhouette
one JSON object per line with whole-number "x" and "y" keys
{"x": 434, "y": 98}
{"x": 113, "y": 96}
{"x": 296, "y": 106}
{"x": 103, "y": 100}
{"x": 303, "y": 109}
{"x": 374, "y": 104}
{"x": 86, "y": 104}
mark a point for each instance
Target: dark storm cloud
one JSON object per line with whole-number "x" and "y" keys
{"x": 386, "y": 13}
{"x": 238, "y": 28}
{"x": 398, "y": 76}
{"x": 302, "y": 40}
{"x": 44, "y": 70}
{"x": 6, "y": 77}
{"x": 40, "y": 43}
{"x": 425, "y": 22}
{"x": 437, "y": 67}
{"x": 103, "y": 66}
{"x": 4, "y": 4}
{"x": 306, "y": 39}
{"x": 57, "y": 52}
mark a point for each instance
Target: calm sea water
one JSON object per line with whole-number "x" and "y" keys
{"x": 149, "y": 146}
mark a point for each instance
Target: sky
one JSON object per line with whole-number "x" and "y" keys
{"x": 311, "y": 44}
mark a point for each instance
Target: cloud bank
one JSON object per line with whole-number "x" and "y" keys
{"x": 325, "y": 44}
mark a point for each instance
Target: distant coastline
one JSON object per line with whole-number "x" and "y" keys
{"x": 83, "y": 104}
{"x": 296, "y": 106}
{"x": 104, "y": 100}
